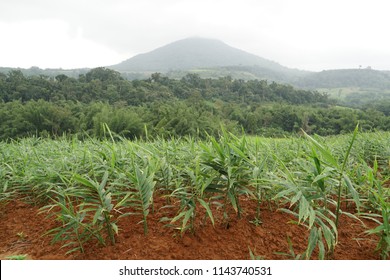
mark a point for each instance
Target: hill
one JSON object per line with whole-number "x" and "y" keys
{"x": 210, "y": 58}
{"x": 193, "y": 53}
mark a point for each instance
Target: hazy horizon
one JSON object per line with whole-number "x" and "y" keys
{"x": 302, "y": 34}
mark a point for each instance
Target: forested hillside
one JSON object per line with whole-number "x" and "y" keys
{"x": 363, "y": 78}
{"x": 160, "y": 106}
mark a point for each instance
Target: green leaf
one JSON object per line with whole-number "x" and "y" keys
{"x": 321, "y": 247}
{"x": 84, "y": 181}
{"x": 187, "y": 216}
{"x": 206, "y": 206}
{"x": 233, "y": 201}
{"x": 352, "y": 191}
{"x": 104, "y": 182}
{"x": 295, "y": 198}
{"x": 304, "y": 210}
{"x": 313, "y": 239}
{"x": 350, "y": 147}
{"x": 115, "y": 227}
{"x": 177, "y": 217}
{"x": 324, "y": 152}
{"x": 320, "y": 178}
{"x": 312, "y": 217}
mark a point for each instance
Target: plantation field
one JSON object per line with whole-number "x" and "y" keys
{"x": 221, "y": 198}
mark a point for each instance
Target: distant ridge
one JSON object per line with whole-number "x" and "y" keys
{"x": 193, "y": 53}
{"x": 363, "y": 78}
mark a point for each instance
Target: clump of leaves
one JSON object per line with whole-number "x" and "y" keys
{"x": 84, "y": 209}
{"x": 380, "y": 202}
{"x": 309, "y": 191}
{"x": 191, "y": 192}
{"x": 229, "y": 157}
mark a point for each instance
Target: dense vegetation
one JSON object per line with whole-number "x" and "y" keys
{"x": 356, "y": 97}
{"x": 42, "y": 105}
{"x": 362, "y": 78}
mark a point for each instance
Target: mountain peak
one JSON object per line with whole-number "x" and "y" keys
{"x": 193, "y": 53}
{"x": 197, "y": 41}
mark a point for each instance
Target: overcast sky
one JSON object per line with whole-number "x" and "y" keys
{"x": 304, "y": 34}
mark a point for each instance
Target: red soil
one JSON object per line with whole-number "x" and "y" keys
{"x": 22, "y": 229}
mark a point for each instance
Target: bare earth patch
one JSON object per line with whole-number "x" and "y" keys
{"x": 22, "y": 232}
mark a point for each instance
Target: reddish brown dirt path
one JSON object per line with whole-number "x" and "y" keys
{"x": 21, "y": 231}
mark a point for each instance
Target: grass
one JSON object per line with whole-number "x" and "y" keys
{"x": 17, "y": 257}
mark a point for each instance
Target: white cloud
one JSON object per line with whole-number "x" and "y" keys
{"x": 301, "y": 33}
{"x": 51, "y": 44}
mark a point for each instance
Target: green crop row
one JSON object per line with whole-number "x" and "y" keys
{"x": 87, "y": 186}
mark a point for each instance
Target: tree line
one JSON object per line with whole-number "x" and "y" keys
{"x": 160, "y": 106}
